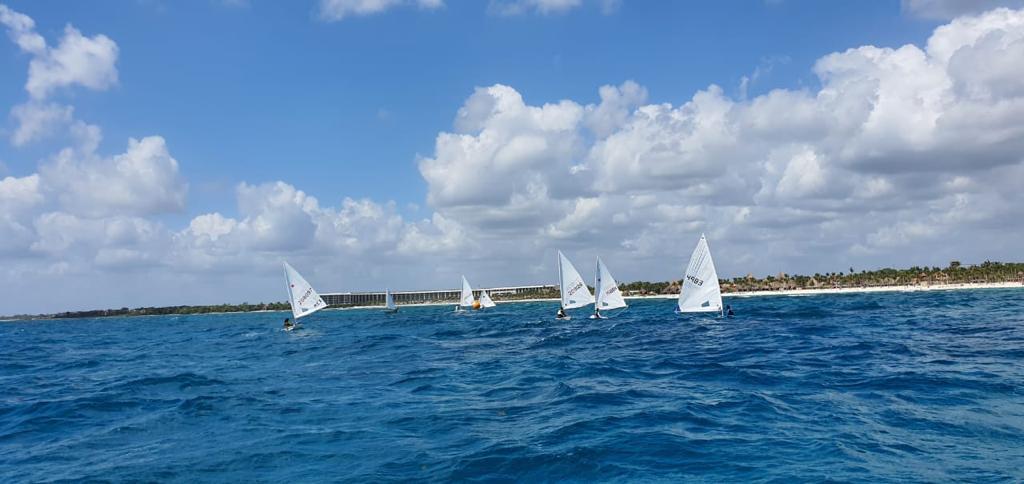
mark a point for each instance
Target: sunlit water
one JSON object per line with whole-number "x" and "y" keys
{"x": 915, "y": 386}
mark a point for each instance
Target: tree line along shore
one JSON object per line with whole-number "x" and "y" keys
{"x": 955, "y": 273}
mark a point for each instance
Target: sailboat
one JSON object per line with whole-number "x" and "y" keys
{"x": 389, "y": 302}
{"x": 466, "y": 299}
{"x": 606, "y": 290}
{"x": 574, "y": 292}
{"x": 700, "y": 292}
{"x": 485, "y": 300}
{"x": 302, "y": 297}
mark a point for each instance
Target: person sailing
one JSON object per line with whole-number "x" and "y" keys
{"x": 288, "y": 324}
{"x": 728, "y": 311}
{"x": 597, "y": 312}
{"x": 561, "y": 314}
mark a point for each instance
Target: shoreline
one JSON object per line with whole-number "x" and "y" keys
{"x": 862, "y": 290}
{"x": 781, "y": 292}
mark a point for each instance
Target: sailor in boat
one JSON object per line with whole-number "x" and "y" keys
{"x": 728, "y": 311}
{"x": 597, "y": 313}
{"x": 561, "y": 314}
{"x": 288, "y": 326}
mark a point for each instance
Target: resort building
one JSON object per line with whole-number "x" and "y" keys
{"x": 439, "y": 296}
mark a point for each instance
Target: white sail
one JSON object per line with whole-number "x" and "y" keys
{"x": 485, "y": 300}
{"x": 466, "y": 300}
{"x": 389, "y": 300}
{"x": 606, "y": 289}
{"x": 700, "y": 291}
{"x": 575, "y": 293}
{"x": 301, "y": 295}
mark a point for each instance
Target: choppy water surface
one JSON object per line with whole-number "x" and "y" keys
{"x": 922, "y": 386}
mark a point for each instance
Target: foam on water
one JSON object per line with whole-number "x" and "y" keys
{"x": 887, "y": 386}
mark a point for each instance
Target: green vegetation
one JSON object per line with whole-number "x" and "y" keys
{"x": 955, "y": 273}
{"x": 152, "y": 311}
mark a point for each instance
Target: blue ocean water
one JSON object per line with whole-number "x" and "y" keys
{"x": 876, "y": 387}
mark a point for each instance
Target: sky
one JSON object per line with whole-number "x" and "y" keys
{"x": 160, "y": 153}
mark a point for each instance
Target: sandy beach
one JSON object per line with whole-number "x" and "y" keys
{"x": 858, "y": 290}
{"x": 787, "y": 292}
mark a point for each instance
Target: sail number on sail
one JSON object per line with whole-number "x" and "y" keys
{"x": 302, "y": 300}
{"x": 694, "y": 279}
{"x": 575, "y": 288}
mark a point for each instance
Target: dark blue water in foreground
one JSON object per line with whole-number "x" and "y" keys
{"x": 922, "y": 386}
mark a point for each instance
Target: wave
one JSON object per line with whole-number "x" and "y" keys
{"x": 886, "y": 387}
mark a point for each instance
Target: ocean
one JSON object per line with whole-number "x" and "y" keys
{"x": 869, "y": 387}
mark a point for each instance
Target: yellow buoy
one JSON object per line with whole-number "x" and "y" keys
{"x": 476, "y": 304}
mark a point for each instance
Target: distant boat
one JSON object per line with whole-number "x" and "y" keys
{"x": 574, "y": 292}
{"x": 485, "y": 300}
{"x": 389, "y": 302}
{"x": 301, "y": 295}
{"x": 606, "y": 291}
{"x": 466, "y": 300}
{"x": 700, "y": 292}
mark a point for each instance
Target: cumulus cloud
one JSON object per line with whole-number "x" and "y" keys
{"x": 277, "y": 218}
{"x": 21, "y": 29}
{"x": 89, "y": 62}
{"x": 502, "y": 138}
{"x": 896, "y": 146}
{"x": 86, "y": 219}
{"x": 896, "y": 154}
{"x": 144, "y": 180}
{"x": 335, "y": 10}
{"x": 37, "y": 120}
{"x": 544, "y": 7}
{"x": 548, "y": 7}
{"x": 948, "y": 9}
{"x": 85, "y": 61}
{"x": 82, "y": 201}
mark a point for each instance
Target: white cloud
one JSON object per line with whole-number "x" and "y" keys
{"x": 21, "y": 29}
{"x": 37, "y": 120}
{"x": 80, "y": 203}
{"x": 948, "y": 9}
{"x": 144, "y": 180}
{"x": 617, "y": 103}
{"x": 335, "y": 10}
{"x": 893, "y": 143}
{"x": 77, "y": 60}
{"x": 17, "y": 194}
{"x": 276, "y": 218}
{"x": 85, "y": 61}
{"x": 898, "y": 154}
{"x": 549, "y": 7}
{"x": 502, "y": 138}
{"x": 544, "y": 7}
{"x": 86, "y": 220}
{"x": 62, "y": 234}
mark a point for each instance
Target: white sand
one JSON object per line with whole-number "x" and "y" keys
{"x": 788, "y": 292}
{"x": 858, "y": 290}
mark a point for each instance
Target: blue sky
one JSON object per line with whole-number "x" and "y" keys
{"x": 427, "y": 139}
{"x": 252, "y": 92}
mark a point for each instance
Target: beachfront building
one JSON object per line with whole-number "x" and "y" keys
{"x": 437, "y": 296}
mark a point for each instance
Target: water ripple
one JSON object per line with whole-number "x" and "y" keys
{"x": 880, "y": 387}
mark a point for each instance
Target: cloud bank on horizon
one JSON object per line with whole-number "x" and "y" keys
{"x": 899, "y": 152}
